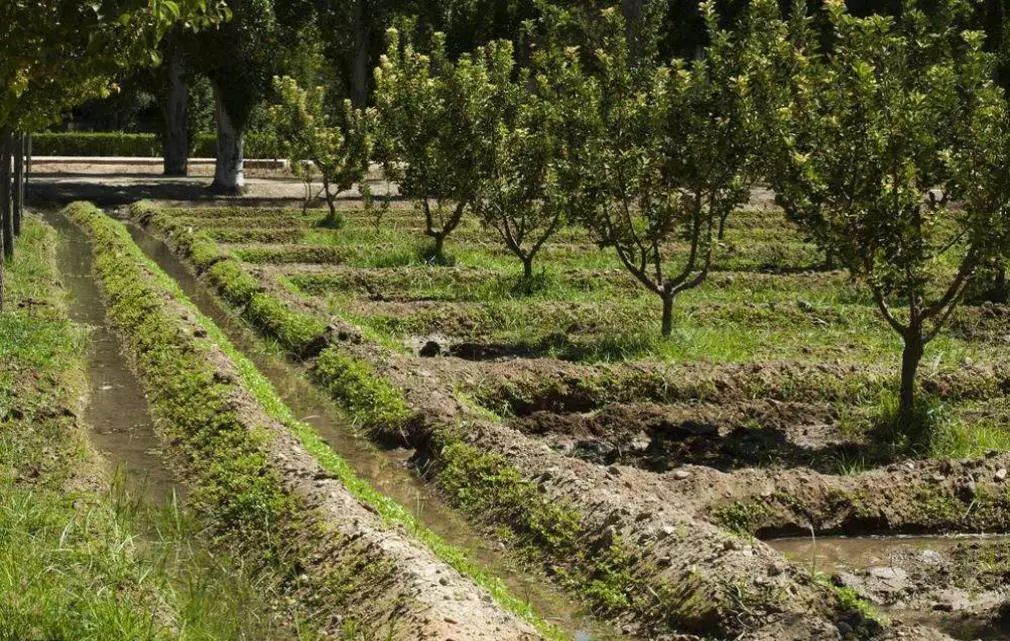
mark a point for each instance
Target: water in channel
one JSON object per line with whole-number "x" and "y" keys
{"x": 387, "y": 471}
{"x": 117, "y": 412}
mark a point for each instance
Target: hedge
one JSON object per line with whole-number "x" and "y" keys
{"x": 118, "y": 143}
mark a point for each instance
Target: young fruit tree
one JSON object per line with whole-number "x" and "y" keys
{"x": 899, "y": 139}
{"x": 337, "y": 149}
{"x": 425, "y": 134}
{"x": 669, "y": 159}
{"x": 526, "y": 131}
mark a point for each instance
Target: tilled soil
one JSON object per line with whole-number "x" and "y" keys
{"x": 664, "y": 460}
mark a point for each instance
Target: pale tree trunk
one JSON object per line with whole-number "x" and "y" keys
{"x": 229, "y": 175}
{"x": 175, "y": 110}
{"x": 359, "y": 60}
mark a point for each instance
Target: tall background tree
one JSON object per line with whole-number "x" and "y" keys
{"x": 56, "y": 54}
{"x": 240, "y": 57}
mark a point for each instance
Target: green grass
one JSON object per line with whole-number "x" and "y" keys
{"x": 587, "y": 308}
{"x": 80, "y": 558}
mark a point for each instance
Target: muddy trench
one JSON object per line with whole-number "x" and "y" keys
{"x": 390, "y": 470}
{"x": 117, "y": 413}
{"x": 959, "y": 584}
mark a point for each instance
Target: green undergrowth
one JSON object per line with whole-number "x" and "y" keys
{"x": 768, "y": 297}
{"x": 115, "y": 244}
{"x": 298, "y": 332}
{"x": 80, "y": 558}
{"x": 370, "y": 399}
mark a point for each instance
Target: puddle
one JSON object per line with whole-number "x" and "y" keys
{"x": 834, "y": 555}
{"x": 843, "y": 554}
{"x": 117, "y": 413}
{"x": 387, "y": 471}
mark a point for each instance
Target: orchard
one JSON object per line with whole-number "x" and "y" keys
{"x": 540, "y": 319}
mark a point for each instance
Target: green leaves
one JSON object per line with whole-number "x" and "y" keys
{"x": 338, "y": 149}
{"x": 890, "y": 149}
{"x": 56, "y": 53}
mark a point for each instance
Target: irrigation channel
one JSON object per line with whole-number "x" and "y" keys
{"x": 117, "y": 413}
{"x": 387, "y": 470}
{"x": 838, "y": 555}
{"x": 118, "y": 418}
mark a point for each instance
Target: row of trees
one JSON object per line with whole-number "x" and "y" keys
{"x": 283, "y": 37}
{"x": 56, "y": 54}
{"x": 886, "y": 139}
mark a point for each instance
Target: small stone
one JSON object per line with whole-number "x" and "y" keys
{"x": 889, "y": 574}
{"x": 931, "y": 556}
{"x": 1001, "y": 474}
{"x": 681, "y": 475}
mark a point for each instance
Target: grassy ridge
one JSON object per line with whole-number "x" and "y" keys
{"x": 81, "y": 559}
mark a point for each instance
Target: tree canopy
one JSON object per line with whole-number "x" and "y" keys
{"x": 56, "y": 54}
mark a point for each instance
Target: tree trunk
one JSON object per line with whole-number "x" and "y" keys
{"x": 632, "y": 10}
{"x": 331, "y": 217}
{"x": 722, "y": 227}
{"x": 19, "y": 182}
{"x": 6, "y": 200}
{"x": 910, "y": 358}
{"x": 5, "y": 205}
{"x": 439, "y": 252}
{"x": 229, "y": 173}
{"x": 359, "y": 60}
{"x": 175, "y": 112}
{"x": 667, "y": 313}
{"x": 528, "y": 268}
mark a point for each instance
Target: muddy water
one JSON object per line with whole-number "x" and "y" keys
{"x": 117, "y": 412}
{"x": 841, "y": 554}
{"x": 832, "y": 555}
{"x": 387, "y": 471}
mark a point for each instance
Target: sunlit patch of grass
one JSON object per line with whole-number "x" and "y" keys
{"x": 961, "y": 437}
